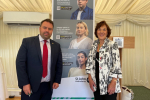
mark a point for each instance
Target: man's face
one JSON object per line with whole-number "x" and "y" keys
{"x": 46, "y": 30}
{"x": 82, "y": 3}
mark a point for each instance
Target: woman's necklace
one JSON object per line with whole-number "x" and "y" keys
{"x": 98, "y": 47}
{"x": 99, "y": 44}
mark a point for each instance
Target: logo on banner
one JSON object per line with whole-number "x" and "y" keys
{"x": 64, "y": 7}
{"x": 76, "y": 78}
{"x": 80, "y": 79}
{"x": 63, "y": 36}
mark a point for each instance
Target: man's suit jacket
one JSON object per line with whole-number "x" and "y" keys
{"x": 29, "y": 63}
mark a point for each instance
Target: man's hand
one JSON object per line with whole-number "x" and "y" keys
{"x": 55, "y": 85}
{"x": 112, "y": 87}
{"x": 27, "y": 89}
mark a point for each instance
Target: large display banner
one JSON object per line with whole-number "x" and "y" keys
{"x": 73, "y": 30}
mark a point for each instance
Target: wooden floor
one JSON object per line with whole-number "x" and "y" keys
{"x": 16, "y": 98}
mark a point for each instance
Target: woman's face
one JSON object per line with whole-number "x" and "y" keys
{"x": 102, "y": 32}
{"x": 81, "y": 59}
{"x": 80, "y": 29}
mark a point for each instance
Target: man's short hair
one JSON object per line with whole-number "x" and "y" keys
{"x": 47, "y": 20}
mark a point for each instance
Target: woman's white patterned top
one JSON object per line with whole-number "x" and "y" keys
{"x": 109, "y": 64}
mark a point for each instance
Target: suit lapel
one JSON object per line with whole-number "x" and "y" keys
{"x": 52, "y": 50}
{"x": 38, "y": 48}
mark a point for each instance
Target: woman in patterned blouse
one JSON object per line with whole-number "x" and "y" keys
{"x": 103, "y": 65}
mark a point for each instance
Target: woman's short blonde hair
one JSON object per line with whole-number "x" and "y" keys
{"x": 86, "y": 27}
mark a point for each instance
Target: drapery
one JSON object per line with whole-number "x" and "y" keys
{"x": 114, "y": 19}
{"x": 101, "y": 6}
{"x": 10, "y": 41}
{"x": 3, "y": 85}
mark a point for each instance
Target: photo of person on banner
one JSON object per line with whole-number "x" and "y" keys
{"x": 82, "y": 41}
{"x": 83, "y": 12}
{"x": 81, "y": 65}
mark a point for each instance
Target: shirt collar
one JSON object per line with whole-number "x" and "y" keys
{"x": 41, "y": 39}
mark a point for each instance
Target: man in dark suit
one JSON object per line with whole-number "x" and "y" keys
{"x": 39, "y": 64}
{"x": 83, "y": 12}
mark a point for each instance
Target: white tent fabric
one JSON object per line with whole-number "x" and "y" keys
{"x": 141, "y": 7}
{"x": 114, "y": 19}
{"x": 122, "y": 7}
{"x": 134, "y": 16}
{"x": 143, "y": 20}
{"x": 101, "y": 6}
{"x": 3, "y": 85}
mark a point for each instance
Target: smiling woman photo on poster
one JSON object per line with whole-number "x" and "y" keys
{"x": 81, "y": 65}
{"x": 82, "y": 41}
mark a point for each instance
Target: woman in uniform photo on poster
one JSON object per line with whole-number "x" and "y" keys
{"x": 81, "y": 65}
{"x": 82, "y": 41}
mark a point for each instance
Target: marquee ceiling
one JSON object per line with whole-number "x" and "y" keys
{"x": 101, "y": 6}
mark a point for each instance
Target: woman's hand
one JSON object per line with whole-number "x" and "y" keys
{"x": 91, "y": 83}
{"x": 112, "y": 86}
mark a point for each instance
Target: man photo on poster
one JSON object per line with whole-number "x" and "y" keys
{"x": 83, "y": 12}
